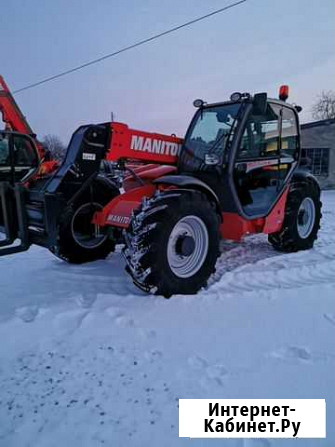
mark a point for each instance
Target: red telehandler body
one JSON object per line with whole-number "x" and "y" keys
{"x": 168, "y": 200}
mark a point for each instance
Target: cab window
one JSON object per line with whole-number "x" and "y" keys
{"x": 289, "y": 140}
{"x": 208, "y": 136}
{"x": 261, "y": 134}
{"x": 24, "y": 152}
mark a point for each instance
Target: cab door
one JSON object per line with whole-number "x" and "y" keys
{"x": 262, "y": 164}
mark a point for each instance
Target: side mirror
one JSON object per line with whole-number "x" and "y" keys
{"x": 260, "y": 103}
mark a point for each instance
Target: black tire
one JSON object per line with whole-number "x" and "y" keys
{"x": 289, "y": 239}
{"x": 68, "y": 248}
{"x": 147, "y": 243}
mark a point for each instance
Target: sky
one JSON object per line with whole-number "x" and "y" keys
{"x": 254, "y": 47}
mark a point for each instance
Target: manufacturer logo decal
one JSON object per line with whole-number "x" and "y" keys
{"x": 154, "y": 146}
{"x": 118, "y": 219}
{"x": 251, "y": 165}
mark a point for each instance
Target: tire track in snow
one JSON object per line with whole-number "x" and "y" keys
{"x": 287, "y": 278}
{"x": 255, "y": 265}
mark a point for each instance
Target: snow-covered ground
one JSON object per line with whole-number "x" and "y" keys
{"x": 88, "y": 360}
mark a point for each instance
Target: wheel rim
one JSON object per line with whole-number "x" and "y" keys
{"x": 84, "y": 232}
{"x": 187, "y": 246}
{"x": 306, "y": 217}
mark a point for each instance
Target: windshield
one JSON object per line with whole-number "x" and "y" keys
{"x": 207, "y": 137}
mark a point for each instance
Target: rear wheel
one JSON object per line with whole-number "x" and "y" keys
{"x": 302, "y": 219}
{"x": 79, "y": 240}
{"x": 173, "y": 243}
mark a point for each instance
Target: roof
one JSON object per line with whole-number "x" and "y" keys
{"x": 319, "y": 123}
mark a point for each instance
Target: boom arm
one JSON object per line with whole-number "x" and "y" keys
{"x": 13, "y": 117}
{"x": 131, "y": 144}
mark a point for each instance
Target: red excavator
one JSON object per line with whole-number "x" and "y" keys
{"x": 235, "y": 173}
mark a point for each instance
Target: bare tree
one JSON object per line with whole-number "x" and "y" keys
{"x": 324, "y": 107}
{"x": 55, "y": 146}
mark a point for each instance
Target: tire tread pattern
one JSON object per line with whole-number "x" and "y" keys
{"x": 288, "y": 240}
{"x": 146, "y": 241}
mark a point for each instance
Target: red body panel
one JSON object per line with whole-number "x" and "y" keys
{"x": 234, "y": 227}
{"x": 118, "y": 211}
{"x": 147, "y": 173}
{"x": 275, "y": 219}
{"x": 150, "y": 147}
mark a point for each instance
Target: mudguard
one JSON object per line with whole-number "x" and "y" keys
{"x": 303, "y": 175}
{"x": 189, "y": 182}
{"x": 118, "y": 212}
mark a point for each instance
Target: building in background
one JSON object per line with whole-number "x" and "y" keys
{"x": 318, "y": 144}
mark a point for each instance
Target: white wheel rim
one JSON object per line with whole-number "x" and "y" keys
{"x": 94, "y": 236}
{"x": 306, "y": 217}
{"x": 192, "y": 231}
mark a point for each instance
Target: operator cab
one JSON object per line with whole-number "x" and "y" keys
{"x": 19, "y": 157}
{"x": 245, "y": 149}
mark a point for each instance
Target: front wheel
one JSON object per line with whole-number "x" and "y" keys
{"x": 302, "y": 219}
{"x": 79, "y": 240}
{"x": 173, "y": 243}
